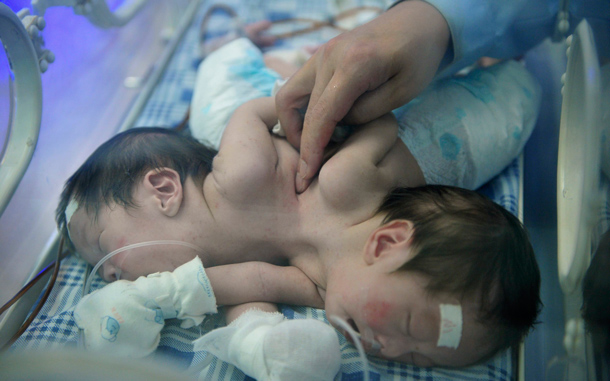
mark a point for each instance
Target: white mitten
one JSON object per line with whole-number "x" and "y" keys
{"x": 125, "y": 318}
{"x": 267, "y": 346}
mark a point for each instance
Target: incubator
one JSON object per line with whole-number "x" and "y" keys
{"x": 73, "y": 73}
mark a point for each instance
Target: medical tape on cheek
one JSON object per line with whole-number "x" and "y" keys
{"x": 70, "y": 209}
{"x": 451, "y": 326}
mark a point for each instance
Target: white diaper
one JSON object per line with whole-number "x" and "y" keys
{"x": 226, "y": 79}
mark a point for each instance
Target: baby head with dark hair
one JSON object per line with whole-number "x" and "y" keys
{"x": 110, "y": 174}
{"x": 449, "y": 278}
{"x": 465, "y": 244}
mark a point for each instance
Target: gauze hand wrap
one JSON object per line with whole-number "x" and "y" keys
{"x": 268, "y": 346}
{"x": 125, "y": 318}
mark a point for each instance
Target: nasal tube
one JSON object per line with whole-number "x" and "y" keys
{"x": 134, "y": 246}
{"x": 357, "y": 339}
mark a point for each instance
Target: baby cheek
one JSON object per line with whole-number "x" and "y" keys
{"x": 118, "y": 258}
{"x": 110, "y": 243}
{"x": 376, "y": 313}
{"x": 121, "y": 242}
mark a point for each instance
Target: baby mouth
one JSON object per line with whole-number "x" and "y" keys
{"x": 370, "y": 345}
{"x": 352, "y": 324}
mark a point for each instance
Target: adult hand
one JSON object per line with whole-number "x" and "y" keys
{"x": 359, "y": 76}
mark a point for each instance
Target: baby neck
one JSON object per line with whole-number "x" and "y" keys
{"x": 343, "y": 246}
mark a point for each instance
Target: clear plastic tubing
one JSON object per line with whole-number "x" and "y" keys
{"x": 134, "y": 246}
{"x": 356, "y": 339}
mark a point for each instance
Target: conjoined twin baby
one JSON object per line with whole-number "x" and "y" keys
{"x": 425, "y": 272}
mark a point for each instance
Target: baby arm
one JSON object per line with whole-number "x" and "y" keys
{"x": 372, "y": 141}
{"x": 247, "y": 148}
{"x": 262, "y": 282}
{"x": 125, "y": 318}
{"x": 264, "y": 109}
{"x": 372, "y": 160}
{"x": 262, "y": 342}
{"x": 252, "y": 120}
{"x": 129, "y": 315}
{"x": 359, "y": 159}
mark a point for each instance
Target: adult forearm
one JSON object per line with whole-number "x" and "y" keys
{"x": 494, "y": 28}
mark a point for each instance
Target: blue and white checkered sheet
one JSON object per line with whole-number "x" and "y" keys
{"x": 55, "y": 326}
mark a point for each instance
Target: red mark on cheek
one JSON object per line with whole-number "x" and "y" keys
{"x": 376, "y": 313}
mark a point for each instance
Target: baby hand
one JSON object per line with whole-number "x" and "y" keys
{"x": 268, "y": 346}
{"x": 125, "y": 318}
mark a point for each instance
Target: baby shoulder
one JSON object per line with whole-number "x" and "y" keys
{"x": 241, "y": 178}
{"x": 348, "y": 186}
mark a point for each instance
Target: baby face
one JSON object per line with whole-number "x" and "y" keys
{"x": 394, "y": 310}
{"x": 114, "y": 228}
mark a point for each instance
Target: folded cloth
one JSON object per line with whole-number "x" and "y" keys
{"x": 125, "y": 318}
{"x": 267, "y": 346}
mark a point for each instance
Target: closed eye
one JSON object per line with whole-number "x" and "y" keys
{"x": 421, "y": 361}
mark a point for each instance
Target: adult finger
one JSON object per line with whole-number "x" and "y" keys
{"x": 323, "y": 70}
{"x": 293, "y": 97}
{"x": 362, "y": 67}
{"x": 320, "y": 121}
{"x": 408, "y": 82}
{"x": 385, "y": 98}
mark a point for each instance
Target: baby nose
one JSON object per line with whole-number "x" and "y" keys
{"x": 108, "y": 272}
{"x": 392, "y": 347}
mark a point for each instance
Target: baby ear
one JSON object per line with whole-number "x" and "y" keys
{"x": 165, "y": 188}
{"x": 390, "y": 244}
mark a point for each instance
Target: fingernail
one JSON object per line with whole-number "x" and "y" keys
{"x": 302, "y": 171}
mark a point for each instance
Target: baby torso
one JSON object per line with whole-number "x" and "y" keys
{"x": 254, "y": 197}
{"x": 251, "y": 192}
